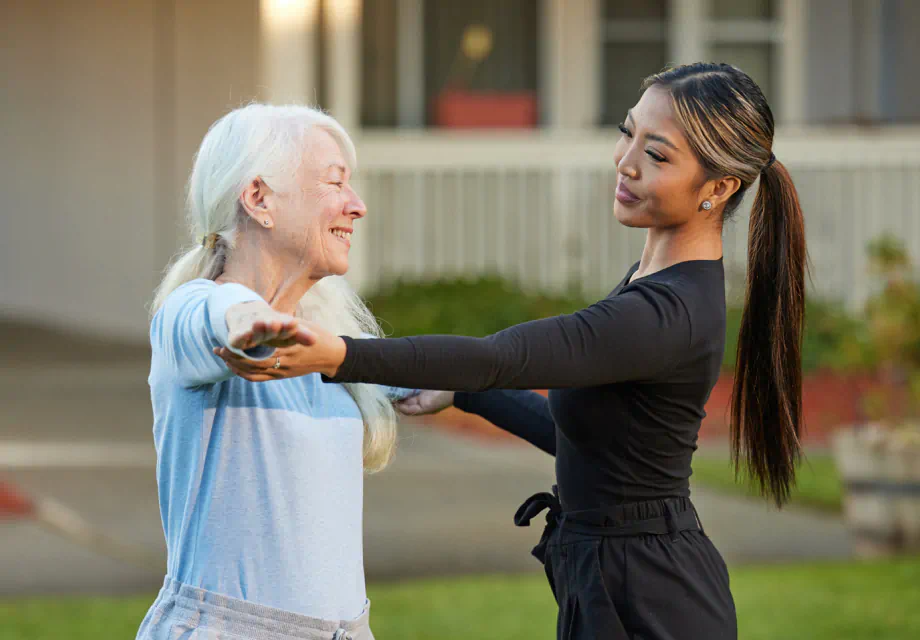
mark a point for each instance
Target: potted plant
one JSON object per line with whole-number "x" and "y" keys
{"x": 457, "y": 105}
{"x": 879, "y": 461}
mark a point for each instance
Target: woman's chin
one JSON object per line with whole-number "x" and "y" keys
{"x": 340, "y": 268}
{"x": 628, "y": 216}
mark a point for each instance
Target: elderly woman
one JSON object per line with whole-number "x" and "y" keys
{"x": 260, "y": 485}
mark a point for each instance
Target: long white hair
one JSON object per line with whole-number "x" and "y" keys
{"x": 268, "y": 141}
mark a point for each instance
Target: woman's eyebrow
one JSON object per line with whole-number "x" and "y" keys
{"x": 662, "y": 140}
{"x": 654, "y": 136}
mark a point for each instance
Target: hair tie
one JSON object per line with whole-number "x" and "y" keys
{"x": 769, "y": 163}
{"x": 209, "y": 241}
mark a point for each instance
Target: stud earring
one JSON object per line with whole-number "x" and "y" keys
{"x": 266, "y": 222}
{"x": 707, "y": 205}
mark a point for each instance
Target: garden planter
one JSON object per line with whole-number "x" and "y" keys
{"x": 880, "y": 469}
{"x": 468, "y": 109}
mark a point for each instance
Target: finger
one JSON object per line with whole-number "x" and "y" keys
{"x": 283, "y": 352}
{"x": 408, "y": 407}
{"x": 229, "y": 356}
{"x": 245, "y": 365}
{"x": 237, "y": 368}
{"x": 253, "y": 375}
{"x": 257, "y": 377}
{"x": 290, "y": 332}
{"x": 241, "y": 340}
{"x": 226, "y": 354}
{"x": 305, "y": 337}
{"x": 237, "y": 371}
{"x": 273, "y": 330}
{"x": 261, "y": 331}
{"x": 285, "y": 337}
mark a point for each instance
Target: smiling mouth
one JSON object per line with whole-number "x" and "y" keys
{"x": 342, "y": 234}
{"x": 626, "y": 196}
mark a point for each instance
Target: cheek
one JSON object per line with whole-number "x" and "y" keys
{"x": 618, "y": 152}
{"x": 671, "y": 196}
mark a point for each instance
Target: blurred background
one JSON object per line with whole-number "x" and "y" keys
{"x": 485, "y": 133}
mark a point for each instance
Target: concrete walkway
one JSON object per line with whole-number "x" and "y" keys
{"x": 444, "y": 507}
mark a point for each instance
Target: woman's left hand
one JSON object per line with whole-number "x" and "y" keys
{"x": 324, "y": 356}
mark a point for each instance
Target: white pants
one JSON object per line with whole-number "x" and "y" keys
{"x": 181, "y": 612}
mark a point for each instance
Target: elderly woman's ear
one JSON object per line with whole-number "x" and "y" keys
{"x": 256, "y": 201}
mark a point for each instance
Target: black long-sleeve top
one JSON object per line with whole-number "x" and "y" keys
{"x": 628, "y": 376}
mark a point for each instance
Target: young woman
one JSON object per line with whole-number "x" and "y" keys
{"x": 261, "y": 486}
{"x": 630, "y": 375}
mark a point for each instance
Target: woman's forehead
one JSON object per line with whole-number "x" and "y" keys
{"x": 654, "y": 113}
{"x": 654, "y": 107}
{"x": 323, "y": 153}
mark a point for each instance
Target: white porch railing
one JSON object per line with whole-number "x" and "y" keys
{"x": 538, "y": 207}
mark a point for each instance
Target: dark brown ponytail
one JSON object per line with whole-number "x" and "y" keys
{"x": 730, "y": 126}
{"x": 767, "y": 396}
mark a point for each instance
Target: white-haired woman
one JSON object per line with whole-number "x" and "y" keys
{"x": 261, "y": 484}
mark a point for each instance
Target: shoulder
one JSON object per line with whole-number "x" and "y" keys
{"x": 699, "y": 290}
{"x": 198, "y": 288}
{"x": 178, "y": 302}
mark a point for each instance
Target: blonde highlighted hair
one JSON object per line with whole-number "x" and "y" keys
{"x": 267, "y": 141}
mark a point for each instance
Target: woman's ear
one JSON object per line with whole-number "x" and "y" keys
{"x": 719, "y": 191}
{"x": 256, "y": 202}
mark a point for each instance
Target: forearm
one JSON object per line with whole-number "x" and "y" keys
{"x": 521, "y": 413}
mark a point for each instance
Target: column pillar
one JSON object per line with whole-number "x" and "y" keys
{"x": 287, "y": 32}
{"x": 687, "y": 31}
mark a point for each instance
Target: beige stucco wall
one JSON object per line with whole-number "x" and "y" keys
{"x": 104, "y": 103}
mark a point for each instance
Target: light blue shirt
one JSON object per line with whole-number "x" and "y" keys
{"x": 260, "y": 484}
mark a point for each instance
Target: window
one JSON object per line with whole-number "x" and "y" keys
{"x": 468, "y": 62}
{"x": 635, "y": 46}
{"x": 481, "y": 62}
{"x": 746, "y": 33}
{"x": 379, "y": 63}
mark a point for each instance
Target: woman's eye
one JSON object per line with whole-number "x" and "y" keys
{"x": 654, "y": 156}
{"x": 624, "y": 131}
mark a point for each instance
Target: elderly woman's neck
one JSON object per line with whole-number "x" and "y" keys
{"x": 281, "y": 286}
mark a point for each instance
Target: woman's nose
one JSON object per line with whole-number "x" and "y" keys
{"x": 356, "y": 206}
{"x": 626, "y": 166}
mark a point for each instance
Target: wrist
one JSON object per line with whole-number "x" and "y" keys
{"x": 337, "y": 352}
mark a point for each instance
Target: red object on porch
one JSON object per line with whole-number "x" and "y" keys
{"x": 13, "y": 503}
{"x": 494, "y": 109}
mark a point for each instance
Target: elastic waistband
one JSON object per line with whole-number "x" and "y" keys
{"x": 655, "y": 517}
{"x": 630, "y": 512}
{"x": 248, "y": 619}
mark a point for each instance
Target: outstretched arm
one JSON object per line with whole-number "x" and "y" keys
{"x": 199, "y": 318}
{"x": 522, "y": 413}
{"x": 631, "y": 336}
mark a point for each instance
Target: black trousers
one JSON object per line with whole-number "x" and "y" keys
{"x": 639, "y": 571}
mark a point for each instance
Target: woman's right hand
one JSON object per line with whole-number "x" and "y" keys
{"x": 255, "y": 323}
{"x": 425, "y": 402}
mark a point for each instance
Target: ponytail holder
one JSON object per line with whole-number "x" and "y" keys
{"x": 769, "y": 163}
{"x": 209, "y": 241}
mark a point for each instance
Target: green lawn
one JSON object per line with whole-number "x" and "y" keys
{"x": 818, "y": 483}
{"x": 853, "y": 601}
